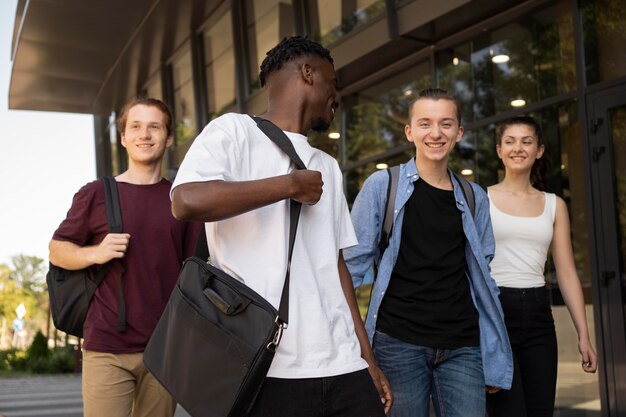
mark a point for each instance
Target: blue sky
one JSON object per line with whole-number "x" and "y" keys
{"x": 44, "y": 159}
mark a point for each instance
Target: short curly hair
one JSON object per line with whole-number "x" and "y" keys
{"x": 289, "y": 49}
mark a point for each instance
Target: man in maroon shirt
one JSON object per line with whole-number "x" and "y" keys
{"x": 143, "y": 263}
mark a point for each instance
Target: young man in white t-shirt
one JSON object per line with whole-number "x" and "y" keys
{"x": 239, "y": 182}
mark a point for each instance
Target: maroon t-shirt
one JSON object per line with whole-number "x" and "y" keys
{"x": 158, "y": 245}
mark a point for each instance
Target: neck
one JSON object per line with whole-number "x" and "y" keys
{"x": 141, "y": 174}
{"x": 287, "y": 116}
{"x": 434, "y": 173}
{"x": 516, "y": 182}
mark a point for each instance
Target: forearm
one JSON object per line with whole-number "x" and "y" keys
{"x": 574, "y": 300}
{"x": 70, "y": 256}
{"x": 359, "y": 327}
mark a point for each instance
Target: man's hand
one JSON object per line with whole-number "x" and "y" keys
{"x": 491, "y": 390}
{"x": 114, "y": 245}
{"x": 307, "y": 186}
{"x": 382, "y": 386}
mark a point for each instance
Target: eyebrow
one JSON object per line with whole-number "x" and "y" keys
{"x": 428, "y": 119}
{"x": 523, "y": 137}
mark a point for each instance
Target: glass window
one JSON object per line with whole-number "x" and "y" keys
{"x": 328, "y": 141}
{"x": 184, "y": 105}
{"x": 377, "y": 117}
{"x": 268, "y": 21}
{"x": 523, "y": 62}
{"x": 332, "y": 19}
{"x": 220, "y": 66}
{"x": 375, "y": 124}
{"x": 153, "y": 87}
{"x": 604, "y": 26}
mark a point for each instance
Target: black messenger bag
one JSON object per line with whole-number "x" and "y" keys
{"x": 216, "y": 339}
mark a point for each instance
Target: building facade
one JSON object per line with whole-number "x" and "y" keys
{"x": 563, "y": 61}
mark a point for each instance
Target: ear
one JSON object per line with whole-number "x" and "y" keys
{"x": 407, "y": 132}
{"x": 459, "y": 135}
{"x": 499, "y": 151}
{"x": 123, "y": 137}
{"x": 306, "y": 71}
{"x": 170, "y": 141}
{"x": 540, "y": 151}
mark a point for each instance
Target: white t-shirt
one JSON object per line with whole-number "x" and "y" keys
{"x": 320, "y": 339}
{"x": 522, "y": 245}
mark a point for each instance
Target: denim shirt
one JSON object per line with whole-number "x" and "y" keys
{"x": 367, "y": 215}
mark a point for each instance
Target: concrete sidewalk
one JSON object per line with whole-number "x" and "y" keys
{"x": 45, "y": 396}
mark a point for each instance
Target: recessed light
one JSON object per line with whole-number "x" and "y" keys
{"x": 500, "y": 59}
{"x": 382, "y": 166}
{"x": 518, "y": 102}
{"x": 334, "y": 135}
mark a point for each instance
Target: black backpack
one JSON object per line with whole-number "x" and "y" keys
{"x": 71, "y": 292}
{"x": 392, "y": 187}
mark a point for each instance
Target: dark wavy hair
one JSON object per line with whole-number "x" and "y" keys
{"x": 146, "y": 101}
{"x": 541, "y": 165}
{"x": 435, "y": 94}
{"x": 287, "y": 50}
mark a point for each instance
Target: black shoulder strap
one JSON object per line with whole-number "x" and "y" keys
{"x": 202, "y": 247}
{"x": 114, "y": 217}
{"x": 468, "y": 192}
{"x": 112, "y": 201}
{"x": 392, "y": 187}
{"x": 284, "y": 143}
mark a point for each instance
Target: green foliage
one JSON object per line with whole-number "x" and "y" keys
{"x": 13, "y": 360}
{"x": 54, "y": 361}
{"x": 39, "y": 348}
{"x": 23, "y": 281}
{"x": 29, "y": 273}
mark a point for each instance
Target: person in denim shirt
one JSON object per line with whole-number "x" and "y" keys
{"x": 434, "y": 320}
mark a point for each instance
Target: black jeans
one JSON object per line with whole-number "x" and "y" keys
{"x": 349, "y": 395}
{"x": 530, "y": 325}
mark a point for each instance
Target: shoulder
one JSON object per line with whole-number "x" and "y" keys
{"x": 557, "y": 202}
{"x": 377, "y": 180}
{"x": 228, "y": 123}
{"x": 90, "y": 189}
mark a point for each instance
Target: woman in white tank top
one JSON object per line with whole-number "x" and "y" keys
{"x": 526, "y": 222}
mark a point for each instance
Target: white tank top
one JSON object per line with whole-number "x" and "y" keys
{"x": 522, "y": 246}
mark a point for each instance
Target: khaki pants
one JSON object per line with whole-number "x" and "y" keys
{"x": 118, "y": 385}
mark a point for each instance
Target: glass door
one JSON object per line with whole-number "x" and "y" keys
{"x": 607, "y": 142}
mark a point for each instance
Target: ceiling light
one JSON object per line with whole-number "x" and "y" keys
{"x": 382, "y": 166}
{"x": 520, "y": 102}
{"x": 500, "y": 59}
{"x": 467, "y": 172}
{"x": 334, "y": 135}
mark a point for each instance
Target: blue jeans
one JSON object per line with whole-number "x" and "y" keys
{"x": 452, "y": 378}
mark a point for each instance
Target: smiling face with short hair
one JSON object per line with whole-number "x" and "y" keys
{"x": 434, "y": 130}
{"x": 145, "y": 135}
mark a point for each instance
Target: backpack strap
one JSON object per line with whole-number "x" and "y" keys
{"x": 468, "y": 192}
{"x": 392, "y": 188}
{"x": 114, "y": 217}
